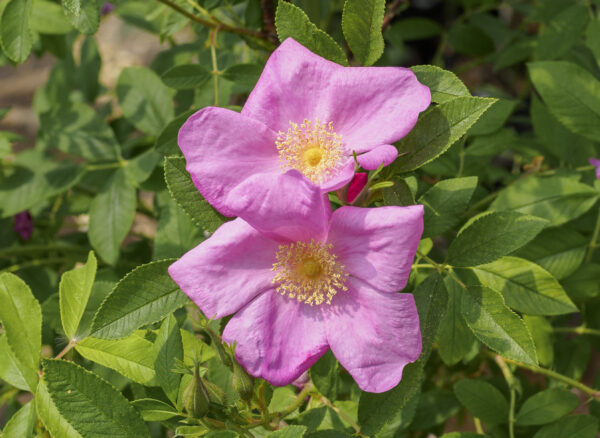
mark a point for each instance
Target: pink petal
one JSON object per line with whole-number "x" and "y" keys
{"x": 373, "y": 334}
{"x": 225, "y": 272}
{"x": 377, "y": 245}
{"x": 222, "y": 149}
{"x": 356, "y": 185}
{"x": 384, "y": 154}
{"x": 341, "y": 178}
{"x": 596, "y": 163}
{"x": 277, "y": 337}
{"x": 282, "y": 206}
{"x": 369, "y": 106}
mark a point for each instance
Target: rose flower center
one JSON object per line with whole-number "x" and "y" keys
{"x": 311, "y": 148}
{"x": 309, "y": 272}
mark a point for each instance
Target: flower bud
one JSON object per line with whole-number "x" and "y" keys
{"x": 243, "y": 383}
{"x": 195, "y": 396}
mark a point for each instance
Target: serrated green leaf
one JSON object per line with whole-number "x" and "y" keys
{"x": 541, "y": 333}
{"x": 561, "y": 32}
{"x": 74, "y": 292}
{"x": 146, "y": 295}
{"x": 83, "y": 14}
{"x": 574, "y": 426}
{"x": 91, "y": 405}
{"x": 48, "y": 17}
{"x": 482, "y": 400}
{"x": 571, "y": 93}
{"x": 186, "y": 77}
{"x": 496, "y": 325}
{"x": 491, "y": 236}
{"x": 144, "y": 99}
{"x": 243, "y": 74}
{"x": 21, "y": 424}
{"x": 15, "y": 35}
{"x": 154, "y": 410}
{"x": 361, "y": 24}
{"x": 560, "y": 251}
{"x": 546, "y": 406}
{"x": 438, "y": 128}
{"x": 399, "y": 193}
{"x": 444, "y": 204}
{"x": 288, "y": 432}
{"x": 557, "y": 199}
{"x": 292, "y": 22}
{"x": 52, "y": 419}
{"x": 444, "y": 84}
{"x": 584, "y": 283}
{"x": 454, "y": 338}
{"x": 188, "y": 197}
{"x": 494, "y": 118}
{"x": 12, "y": 370}
{"x": 111, "y": 214}
{"x": 168, "y": 349}
{"x": 526, "y": 287}
{"x": 128, "y": 356}
{"x": 325, "y": 375}
{"x": 21, "y": 317}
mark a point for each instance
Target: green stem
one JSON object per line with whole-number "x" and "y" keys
{"x": 510, "y": 380}
{"x": 578, "y": 330}
{"x": 297, "y": 403}
{"x": 68, "y": 348}
{"x": 478, "y": 427}
{"x": 103, "y": 166}
{"x": 28, "y": 249}
{"x": 442, "y": 268}
{"x": 343, "y": 415}
{"x": 590, "y": 250}
{"x": 215, "y": 70}
{"x": 36, "y": 262}
{"x": 556, "y": 376}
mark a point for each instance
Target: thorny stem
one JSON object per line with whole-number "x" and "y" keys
{"x": 68, "y": 348}
{"x": 556, "y": 376}
{"x": 578, "y": 330}
{"x": 213, "y": 56}
{"x": 215, "y": 23}
{"x": 510, "y": 380}
{"x": 343, "y": 415}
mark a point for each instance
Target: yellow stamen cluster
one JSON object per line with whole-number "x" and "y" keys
{"x": 312, "y": 148}
{"x": 309, "y": 272}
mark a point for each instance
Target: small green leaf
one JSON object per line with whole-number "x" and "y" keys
{"x": 21, "y": 424}
{"x": 83, "y": 14}
{"x": 288, "y": 432}
{"x": 325, "y": 376}
{"x": 584, "y": 283}
{"x": 48, "y": 17}
{"x": 574, "y": 426}
{"x": 21, "y": 317}
{"x": 444, "y": 204}
{"x": 154, "y": 410}
{"x": 12, "y": 370}
{"x": 541, "y": 333}
{"x": 525, "y": 286}
{"x": 146, "y": 295}
{"x": 491, "y": 236}
{"x": 168, "y": 349}
{"x": 15, "y": 35}
{"x": 52, "y": 419}
{"x": 186, "y": 77}
{"x": 444, "y": 84}
{"x": 399, "y": 193}
{"x": 482, "y": 400}
{"x": 243, "y": 74}
{"x": 129, "y": 356}
{"x": 111, "y": 214}
{"x": 188, "y": 197}
{"x": 571, "y": 93}
{"x": 145, "y": 100}
{"x": 438, "y": 128}
{"x": 561, "y": 32}
{"x": 292, "y": 22}
{"x": 434, "y": 408}
{"x": 494, "y": 118}
{"x": 361, "y": 24}
{"x": 496, "y": 325}
{"x": 91, "y": 405}
{"x": 546, "y": 406}
{"x": 74, "y": 292}
{"x": 557, "y": 199}
{"x": 166, "y": 142}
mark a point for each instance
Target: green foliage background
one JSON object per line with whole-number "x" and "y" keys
{"x": 97, "y": 340}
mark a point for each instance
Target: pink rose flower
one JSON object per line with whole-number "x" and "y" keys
{"x": 305, "y": 113}
{"x": 596, "y": 163}
{"x": 301, "y": 280}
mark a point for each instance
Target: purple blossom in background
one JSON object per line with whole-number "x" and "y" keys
{"x": 24, "y": 224}
{"x": 107, "y": 8}
{"x": 596, "y": 163}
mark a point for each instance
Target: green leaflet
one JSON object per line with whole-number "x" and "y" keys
{"x": 184, "y": 77}
{"x": 541, "y": 333}
{"x": 22, "y": 423}
{"x": 145, "y": 100}
{"x": 186, "y": 194}
{"x": 444, "y": 84}
{"x": 83, "y": 14}
{"x": 111, "y": 214}
{"x": 325, "y": 375}
{"x": 52, "y": 419}
{"x": 546, "y": 406}
{"x": 482, "y": 400}
{"x": 12, "y": 370}
{"x": 292, "y": 22}
{"x": 492, "y": 235}
{"x": 580, "y": 426}
{"x": 561, "y": 32}
{"x": 130, "y": 356}
{"x": 15, "y": 35}
{"x": 496, "y": 325}
{"x": 91, "y": 405}
{"x": 526, "y": 287}
{"x": 21, "y": 317}
{"x": 438, "y": 128}
{"x": 74, "y": 291}
{"x": 168, "y": 349}
{"x": 146, "y": 295}
{"x": 289, "y": 432}
{"x": 154, "y": 410}
{"x": 361, "y": 23}
{"x": 48, "y": 17}
{"x": 571, "y": 94}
